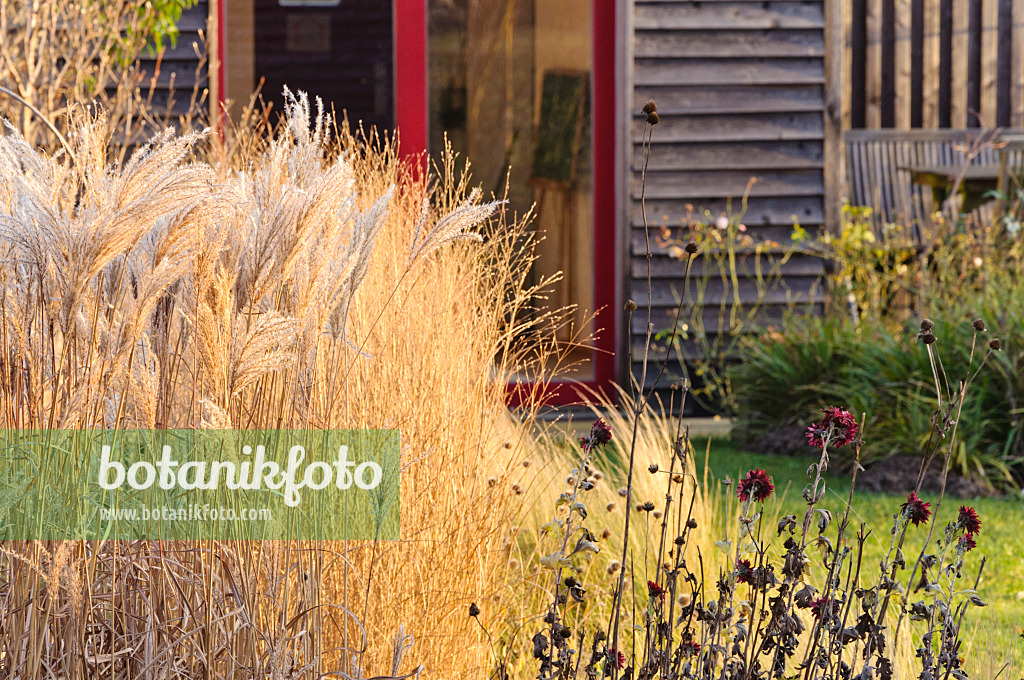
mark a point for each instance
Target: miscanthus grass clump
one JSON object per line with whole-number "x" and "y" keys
{"x": 314, "y": 280}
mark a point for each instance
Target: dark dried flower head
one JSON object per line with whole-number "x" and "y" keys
{"x": 600, "y": 434}
{"x": 994, "y": 345}
{"x": 837, "y": 427}
{"x": 915, "y": 509}
{"x": 654, "y": 590}
{"x": 650, "y": 107}
{"x": 647, "y": 507}
{"x": 816, "y": 435}
{"x": 630, "y": 306}
{"x": 744, "y": 572}
{"x": 691, "y": 523}
{"x": 979, "y": 325}
{"x": 927, "y": 325}
{"x": 820, "y": 607}
{"x": 652, "y": 468}
{"x": 969, "y": 520}
{"x": 966, "y": 543}
{"x": 691, "y": 247}
{"x": 927, "y": 337}
{"x": 474, "y": 611}
{"x": 653, "y": 118}
{"x": 616, "y": 658}
{"x": 690, "y": 648}
{"x": 757, "y": 485}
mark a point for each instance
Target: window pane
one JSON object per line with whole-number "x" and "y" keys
{"x": 509, "y": 86}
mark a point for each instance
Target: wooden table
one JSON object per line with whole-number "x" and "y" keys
{"x": 977, "y": 182}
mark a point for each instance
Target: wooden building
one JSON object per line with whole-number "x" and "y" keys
{"x": 549, "y": 93}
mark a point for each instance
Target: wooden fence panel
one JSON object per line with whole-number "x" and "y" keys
{"x": 934, "y": 63}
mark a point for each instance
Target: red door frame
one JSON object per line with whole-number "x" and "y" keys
{"x": 411, "y": 118}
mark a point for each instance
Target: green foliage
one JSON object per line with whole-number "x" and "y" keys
{"x": 784, "y": 380}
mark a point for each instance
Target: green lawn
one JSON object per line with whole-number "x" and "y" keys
{"x": 993, "y": 632}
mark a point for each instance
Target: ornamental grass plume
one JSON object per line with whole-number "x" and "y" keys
{"x": 289, "y": 289}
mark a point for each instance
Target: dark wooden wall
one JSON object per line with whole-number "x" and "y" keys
{"x": 740, "y": 88}
{"x": 352, "y": 71}
{"x": 933, "y": 63}
{"x": 182, "y": 68}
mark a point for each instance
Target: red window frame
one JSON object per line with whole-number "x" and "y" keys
{"x": 411, "y": 118}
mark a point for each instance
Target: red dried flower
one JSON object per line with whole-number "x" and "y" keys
{"x": 744, "y": 572}
{"x": 600, "y": 434}
{"x": 966, "y": 543}
{"x": 616, "y": 657}
{"x": 654, "y": 590}
{"x": 757, "y": 485}
{"x": 915, "y": 509}
{"x": 969, "y": 520}
{"x": 819, "y": 607}
{"x": 690, "y": 648}
{"x": 816, "y": 435}
{"x": 837, "y": 427}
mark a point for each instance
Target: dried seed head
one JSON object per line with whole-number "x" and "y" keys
{"x": 517, "y": 489}
{"x": 623, "y": 491}
{"x": 994, "y": 344}
{"x": 507, "y": 445}
{"x": 691, "y": 247}
{"x": 526, "y": 463}
{"x": 927, "y": 325}
{"x": 606, "y": 534}
{"x": 656, "y": 514}
{"x": 677, "y": 478}
{"x": 653, "y": 118}
{"x": 979, "y": 325}
{"x": 597, "y": 476}
{"x": 678, "y": 540}
{"x": 691, "y": 523}
{"x": 652, "y": 468}
{"x": 474, "y": 611}
{"x": 650, "y": 107}
{"x": 614, "y": 566}
{"x": 491, "y": 481}
{"x": 630, "y": 306}
{"x": 927, "y": 337}
{"x": 570, "y": 581}
{"x": 648, "y": 506}
{"x": 610, "y": 507}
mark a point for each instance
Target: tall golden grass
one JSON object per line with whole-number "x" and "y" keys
{"x": 306, "y": 281}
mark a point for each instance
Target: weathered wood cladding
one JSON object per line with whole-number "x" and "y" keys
{"x": 740, "y": 88}
{"x": 181, "y": 67}
{"x": 933, "y": 63}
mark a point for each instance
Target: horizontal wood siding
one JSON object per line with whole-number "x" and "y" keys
{"x": 181, "y": 67}
{"x": 740, "y": 89}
